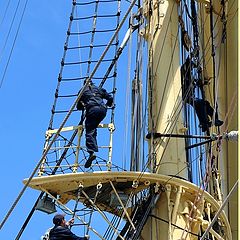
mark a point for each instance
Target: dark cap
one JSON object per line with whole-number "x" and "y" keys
{"x": 57, "y": 219}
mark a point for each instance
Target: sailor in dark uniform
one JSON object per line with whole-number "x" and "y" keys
{"x": 203, "y": 110}
{"x": 202, "y": 107}
{"x": 96, "y": 110}
{"x": 61, "y": 230}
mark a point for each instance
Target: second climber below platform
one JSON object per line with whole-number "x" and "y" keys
{"x": 96, "y": 110}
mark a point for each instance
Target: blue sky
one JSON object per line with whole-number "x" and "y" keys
{"x": 26, "y": 98}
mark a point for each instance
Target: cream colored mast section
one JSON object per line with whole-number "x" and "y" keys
{"x": 180, "y": 212}
{"x": 165, "y": 86}
{"x": 226, "y": 92}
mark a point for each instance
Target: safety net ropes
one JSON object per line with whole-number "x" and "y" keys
{"x": 91, "y": 26}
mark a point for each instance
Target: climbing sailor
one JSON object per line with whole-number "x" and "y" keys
{"x": 96, "y": 110}
{"x": 203, "y": 110}
{"x": 61, "y": 229}
{"x": 202, "y": 107}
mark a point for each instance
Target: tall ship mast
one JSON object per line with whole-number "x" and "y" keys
{"x": 172, "y": 174}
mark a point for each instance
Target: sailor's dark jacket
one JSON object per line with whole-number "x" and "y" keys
{"x": 63, "y": 233}
{"x": 93, "y": 96}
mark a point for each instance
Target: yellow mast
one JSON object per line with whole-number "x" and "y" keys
{"x": 165, "y": 86}
{"x": 180, "y": 211}
{"x": 226, "y": 95}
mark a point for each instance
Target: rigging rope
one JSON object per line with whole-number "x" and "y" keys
{"x": 15, "y": 39}
{"x": 5, "y": 12}
{"x": 62, "y": 65}
{"x": 66, "y": 117}
{"x": 219, "y": 211}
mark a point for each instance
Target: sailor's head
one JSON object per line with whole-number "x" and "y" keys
{"x": 58, "y": 219}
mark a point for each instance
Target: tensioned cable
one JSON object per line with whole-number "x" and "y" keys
{"x": 114, "y": 74}
{"x": 84, "y": 77}
{"x": 9, "y": 31}
{"x": 138, "y": 111}
{"x": 219, "y": 211}
{"x": 87, "y": 46}
{"x": 91, "y": 46}
{"x": 219, "y": 68}
{"x": 163, "y": 220}
{"x": 95, "y": 16}
{"x": 94, "y": 22}
{"x": 61, "y": 68}
{"x": 141, "y": 174}
{"x": 198, "y": 72}
{"x": 15, "y": 38}
{"x": 92, "y": 2}
{"x": 160, "y": 56}
{"x": 127, "y": 103}
{"x": 79, "y": 44}
{"x": 164, "y": 90}
{"x": 89, "y": 61}
{"x": 66, "y": 118}
{"x": 208, "y": 44}
{"x": 85, "y": 62}
{"x": 54, "y": 171}
{"x": 215, "y": 92}
{"x": 90, "y": 31}
{"x": 201, "y": 188}
{"x": 5, "y": 12}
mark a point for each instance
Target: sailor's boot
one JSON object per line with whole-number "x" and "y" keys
{"x": 218, "y": 123}
{"x": 91, "y": 157}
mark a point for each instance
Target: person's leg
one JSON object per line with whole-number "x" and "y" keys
{"x": 91, "y": 142}
{"x": 201, "y": 112}
{"x": 93, "y": 118}
{"x": 210, "y": 111}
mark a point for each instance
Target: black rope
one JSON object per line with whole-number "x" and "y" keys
{"x": 96, "y": 31}
{"x": 29, "y": 217}
{"x": 199, "y": 144}
{"x": 187, "y": 11}
{"x": 92, "y": 46}
{"x": 95, "y": 16}
{"x": 42, "y": 193}
{"x": 213, "y": 48}
{"x": 159, "y": 135}
{"x": 163, "y": 220}
{"x": 68, "y": 96}
{"x": 83, "y": 78}
{"x": 100, "y": 1}
{"x": 77, "y": 201}
{"x": 61, "y": 67}
{"x": 63, "y": 111}
{"x": 85, "y": 62}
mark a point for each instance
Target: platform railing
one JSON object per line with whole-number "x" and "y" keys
{"x": 75, "y": 164}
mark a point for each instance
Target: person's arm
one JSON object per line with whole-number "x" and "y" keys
{"x": 80, "y": 105}
{"x": 108, "y": 97}
{"x": 70, "y": 222}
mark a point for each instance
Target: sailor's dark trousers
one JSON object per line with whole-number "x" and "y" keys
{"x": 94, "y": 116}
